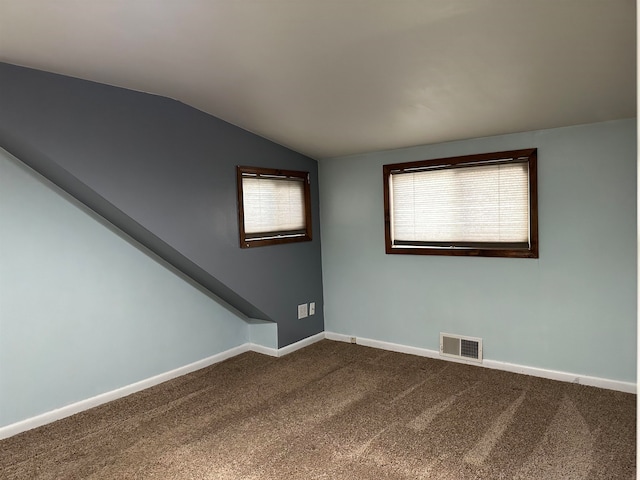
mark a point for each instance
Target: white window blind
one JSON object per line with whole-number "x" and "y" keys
{"x": 273, "y": 204}
{"x": 470, "y": 204}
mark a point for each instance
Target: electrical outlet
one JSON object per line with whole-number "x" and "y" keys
{"x": 302, "y": 311}
{"x": 312, "y": 308}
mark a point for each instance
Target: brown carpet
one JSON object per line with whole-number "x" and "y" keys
{"x": 335, "y": 410}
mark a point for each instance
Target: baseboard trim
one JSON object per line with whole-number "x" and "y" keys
{"x": 609, "y": 384}
{"x": 255, "y": 347}
{"x": 281, "y": 352}
{"x": 338, "y": 337}
{"x": 77, "y": 407}
{"x": 619, "y": 385}
{"x": 305, "y": 342}
{"x": 82, "y": 405}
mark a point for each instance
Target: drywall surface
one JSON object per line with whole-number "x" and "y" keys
{"x": 573, "y": 309}
{"x": 83, "y": 308}
{"x": 166, "y": 174}
{"x": 263, "y": 333}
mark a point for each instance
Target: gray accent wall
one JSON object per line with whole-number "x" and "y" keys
{"x": 572, "y": 310}
{"x": 164, "y": 173}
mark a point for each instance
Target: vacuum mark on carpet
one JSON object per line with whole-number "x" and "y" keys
{"x": 407, "y": 391}
{"x": 361, "y": 450}
{"x": 565, "y": 451}
{"x": 478, "y": 454}
{"x": 423, "y": 420}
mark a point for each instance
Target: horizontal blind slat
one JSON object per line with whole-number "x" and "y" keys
{"x": 272, "y": 205}
{"x": 488, "y": 203}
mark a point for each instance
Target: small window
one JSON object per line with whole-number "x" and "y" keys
{"x": 481, "y": 205}
{"x": 274, "y": 206}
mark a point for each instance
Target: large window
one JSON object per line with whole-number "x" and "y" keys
{"x": 482, "y": 205}
{"x": 274, "y": 206}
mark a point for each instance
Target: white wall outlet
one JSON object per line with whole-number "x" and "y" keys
{"x": 312, "y": 308}
{"x": 302, "y": 311}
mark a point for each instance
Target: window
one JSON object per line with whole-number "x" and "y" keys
{"x": 274, "y": 206}
{"x": 481, "y": 205}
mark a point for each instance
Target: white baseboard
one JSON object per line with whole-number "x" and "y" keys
{"x": 305, "y": 342}
{"x": 618, "y": 385}
{"x": 280, "y": 352}
{"x": 338, "y": 337}
{"x": 272, "y": 352}
{"x": 77, "y": 407}
{"x": 82, "y": 405}
{"x": 628, "y": 387}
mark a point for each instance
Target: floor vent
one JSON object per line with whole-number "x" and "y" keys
{"x": 457, "y": 346}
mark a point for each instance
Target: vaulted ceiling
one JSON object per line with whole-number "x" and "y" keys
{"x": 337, "y": 77}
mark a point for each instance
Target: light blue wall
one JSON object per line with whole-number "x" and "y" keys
{"x": 83, "y": 309}
{"x": 572, "y": 310}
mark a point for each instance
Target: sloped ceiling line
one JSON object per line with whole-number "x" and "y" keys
{"x": 336, "y": 78}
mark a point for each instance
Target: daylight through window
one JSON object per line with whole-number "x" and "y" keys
{"x": 481, "y": 205}
{"x": 273, "y": 206}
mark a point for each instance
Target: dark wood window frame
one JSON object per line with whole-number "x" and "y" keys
{"x": 279, "y": 236}
{"x": 481, "y": 250}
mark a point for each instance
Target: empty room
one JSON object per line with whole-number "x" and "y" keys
{"x": 301, "y": 239}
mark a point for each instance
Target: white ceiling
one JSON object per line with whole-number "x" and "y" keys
{"x": 336, "y": 77}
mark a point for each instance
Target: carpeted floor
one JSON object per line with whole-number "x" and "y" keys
{"x": 339, "y": 411}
